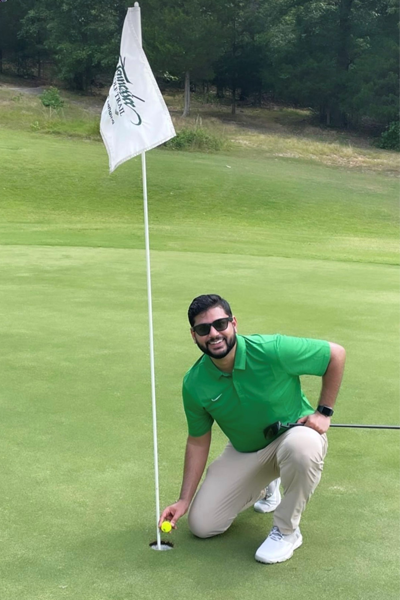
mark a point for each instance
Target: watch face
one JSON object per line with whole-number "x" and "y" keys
{"x": 325, "y": 410}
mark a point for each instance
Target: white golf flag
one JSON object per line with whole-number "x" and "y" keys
{"x": 135, "y": 117}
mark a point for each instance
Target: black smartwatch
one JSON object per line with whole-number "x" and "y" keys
{"x": 325, "y": 410}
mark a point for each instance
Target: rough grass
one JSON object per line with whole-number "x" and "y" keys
{"x": 23, "y": 110}
{"x": 274, "y": 131}
{"x": 289, "y": 133}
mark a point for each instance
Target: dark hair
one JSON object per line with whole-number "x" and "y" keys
{"x": 205, "y": 302}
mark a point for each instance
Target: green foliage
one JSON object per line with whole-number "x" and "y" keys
{"x": 180, "y": 37}
{"x": 337, "y": 57}
{"x": 16, "y": 53}
{"x": 196, "y": 139}
{"x": 82, "y": 37}
{"x": 390, "y": 139}
{"x": 243, "y": 52}
{"x": 373, "y": 90}
{"x": 52, "y": 99}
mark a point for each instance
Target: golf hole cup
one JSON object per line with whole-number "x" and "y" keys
{"x": 163, "y": 546}
{"x": 165, "y": 527}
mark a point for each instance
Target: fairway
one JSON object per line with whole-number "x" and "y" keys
{"x": 297, "y": 248}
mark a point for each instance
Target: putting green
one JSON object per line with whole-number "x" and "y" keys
{"x": 77, "y": 500}
{"x": 78, "y": 480}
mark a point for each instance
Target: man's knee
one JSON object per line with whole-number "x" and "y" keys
{"x": 304, "y": 451}
{"x": 203, "y": 524}
{"x": 198, "y": 528}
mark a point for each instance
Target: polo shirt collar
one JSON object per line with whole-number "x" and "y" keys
{"x": 240, "y": 360}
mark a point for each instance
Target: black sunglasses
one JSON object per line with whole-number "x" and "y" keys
{"x": 219, "y": 324}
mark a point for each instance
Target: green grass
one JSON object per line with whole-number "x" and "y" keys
{"x": 271, "y": 132}
{"x": 225, "y": 204}
{"x": 297, "y": 248}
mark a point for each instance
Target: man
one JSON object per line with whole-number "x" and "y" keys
{"x": 246, "y": 384}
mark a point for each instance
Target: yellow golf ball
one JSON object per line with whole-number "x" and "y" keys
{"x": 166, "y": 526}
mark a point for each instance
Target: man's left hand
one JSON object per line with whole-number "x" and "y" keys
{"x": 316, "y": 421}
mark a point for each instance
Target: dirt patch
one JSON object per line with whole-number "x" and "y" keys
{"x": 34, "y": 91}
{"x": 88, "y": 103}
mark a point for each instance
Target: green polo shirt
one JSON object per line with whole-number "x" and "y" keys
{"x": 263, "y": 388}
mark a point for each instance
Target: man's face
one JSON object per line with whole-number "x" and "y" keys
{"x": 216, "y": 344}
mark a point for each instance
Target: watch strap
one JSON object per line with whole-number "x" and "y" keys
{"x": 325, "y": 410}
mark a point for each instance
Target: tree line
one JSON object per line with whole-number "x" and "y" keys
{"x": 337, "y": 57}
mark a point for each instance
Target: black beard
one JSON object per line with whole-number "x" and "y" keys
{"x": 230, "y": 343}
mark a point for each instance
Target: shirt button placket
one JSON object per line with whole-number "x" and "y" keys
{"x": 238, "y": 388}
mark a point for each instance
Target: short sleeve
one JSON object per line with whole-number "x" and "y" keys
{"x": 198, "y": 419}
{"x": 303, "y": 356}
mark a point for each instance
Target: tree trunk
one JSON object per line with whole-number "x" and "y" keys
{"x": 88, "y": 79}
{"x": 186, "y": 110}
{"x": 206, "y": 90}
{"x": 343, "y": 59}
{"x": 233, "y": 108}
{"x": 78, "y": 81}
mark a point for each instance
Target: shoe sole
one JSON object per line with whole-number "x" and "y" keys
{"x": 286, "y": 557}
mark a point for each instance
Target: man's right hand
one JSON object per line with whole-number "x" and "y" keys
{"x": 197, "y": 449}
{"x": 174, "y": 512}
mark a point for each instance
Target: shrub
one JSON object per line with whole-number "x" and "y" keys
{"x": 52, "y": 98}
{"x": 390, "y": 139}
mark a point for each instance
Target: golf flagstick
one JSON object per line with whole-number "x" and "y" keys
{"x": 138, "y": 29}
{"x": 152, "y": 367}
{"x": 135, "y": 119}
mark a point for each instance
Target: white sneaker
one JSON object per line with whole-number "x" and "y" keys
{"x": 278, "y": 547}
{"x": 271, "y": 499}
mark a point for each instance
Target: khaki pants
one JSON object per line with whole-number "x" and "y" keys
{"x": 235, "y": 480}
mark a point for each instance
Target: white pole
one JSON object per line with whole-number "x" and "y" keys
{"x": 138, "y": 30}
